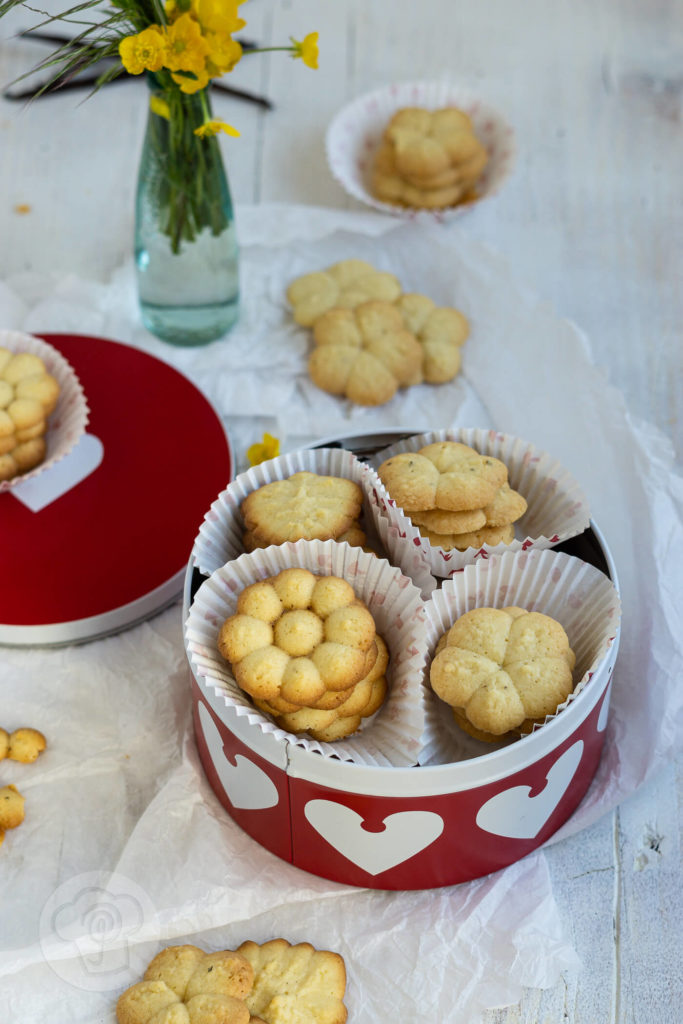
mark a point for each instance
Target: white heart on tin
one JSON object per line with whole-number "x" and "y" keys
{"x": 53, "y": 482}
{"x": 516, "y": 815}
{"x": 246, "y": 785}
{"x": 405, "y": 834}
{"x": 604, "y": 711}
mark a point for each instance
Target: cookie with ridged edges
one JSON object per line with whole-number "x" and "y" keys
{"x": 304, "y": 506}
{"x": 501, "y": 667}
{"x": 344, "y": 285}
{"x": 446, "y": 475}
{"x": 296, "y": 984}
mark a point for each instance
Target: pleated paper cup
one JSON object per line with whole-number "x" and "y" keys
{"x": 66, "y": 425}
{"x": 392, "y": 736}
{"x": 577, "y": 595}
{"x": 220, "y": 535}
{"x": 354, "y": 135}
{"x": 557, "y": 507}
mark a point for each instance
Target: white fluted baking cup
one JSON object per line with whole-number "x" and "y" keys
{"x": 577, "y": 595}
{"x": 354, "y": 135}
{"x": 392, "y": 736}
{"x": 220, "y": 535}
{"x": 557, "y": 507}
{"x": 68, "y": 421}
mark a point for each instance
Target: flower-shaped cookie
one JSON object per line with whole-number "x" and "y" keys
{"x": 344, "y": 285}
{"x": 428, "y": 158}
{"x": 441, "y": 332}
{"x": 301, "y": 642}
{"x": 184, "y": 985}
{"x": 365, "y": 354}
{"x": 28, "y": 394}
{"x": 502, "y": 670}
{"x": 444, "y": 475}
{"x": 304, "y": 505}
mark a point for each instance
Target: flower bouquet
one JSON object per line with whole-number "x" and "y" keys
{"x": 185, "y": 245}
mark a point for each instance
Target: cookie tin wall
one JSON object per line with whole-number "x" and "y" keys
{"x": 395, "y": 828}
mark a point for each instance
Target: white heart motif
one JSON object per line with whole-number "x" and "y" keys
{"x": 405, "y": 834}
{"x": 604, "y": 711}
{"x": 516, "y": 815}
{"x": 42, "y": 490}
{"x": 246, "y": 785}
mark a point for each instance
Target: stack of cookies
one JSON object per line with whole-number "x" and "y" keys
{"x": 306, "y": 650}
{"x": 305, "y": 506}
{"x": 502, "y": 670}
{"x": 28, "y": 394}
{"x": 370, "y": 338}
{"x": 456, "y": 497}
{"x": 428, "y": 159}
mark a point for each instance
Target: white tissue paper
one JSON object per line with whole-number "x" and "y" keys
{"x": 125, "y": 848}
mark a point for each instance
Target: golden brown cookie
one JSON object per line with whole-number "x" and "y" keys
{"x": 478, "y": 734}
{"x": 304, "y": 506}
{"x": 500, "y": 667}
{"x": 390, "y": 186}
{"x": 28, "y": 394}
{"x": 184, "y": 985}
{"x": 11, "y": 807}
{"x": 507, "y": 507}
{"x": 295, "y": 984}
{"x": 439, "y": 520}
{"x": 428, "y": 159}
{"x": 445, "y": 475}
{"x": 490, "y": 535}
{"x": 300, "y": 650}
{"x": 441, "y": 330}
{"x": 23, "y": 745}
{"x": 364, "y": 354}
{"x": 346, "y": 285}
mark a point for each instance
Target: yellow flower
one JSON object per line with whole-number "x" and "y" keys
{"x": 224, "y": 52}
{"x": 187, "y": 48}
{"x": 191, "y": 85}
{"x": 213, "y": 127}
{"x": 307, "y": 49}
{"x": 218, "y": 15}
{"x": 160, "y": 107}
{"x": 145, "y": 51}
{"x": 269, "y": 448}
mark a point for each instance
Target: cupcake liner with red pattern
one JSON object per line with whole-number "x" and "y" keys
{"x": 392, "y": 736}
{"x": 354, "y": 135}
{"x": 577, "y": 595}
{"x": 220, "y": 535}
{"x": 557, "y": 507}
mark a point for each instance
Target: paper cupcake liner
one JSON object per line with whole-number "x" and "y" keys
{"x": 220, "y": 535}
{"x": 68, "y": 421}
{"x": 392, "y": 736}
{"x": 558, "y": 508}
{"x": 577, "y": 595}
{"x": 354, "y": 135}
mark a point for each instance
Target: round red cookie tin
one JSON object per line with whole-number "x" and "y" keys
{"x": 100, "y": 540}
{"x": 406, "y": 828}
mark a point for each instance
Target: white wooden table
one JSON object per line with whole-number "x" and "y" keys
{"x": 592, "y": 220}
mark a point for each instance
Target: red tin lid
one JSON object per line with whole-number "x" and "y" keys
{"x": 112, "y": 549}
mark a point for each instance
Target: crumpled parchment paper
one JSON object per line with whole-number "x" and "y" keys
{"x": 125, "y": 848}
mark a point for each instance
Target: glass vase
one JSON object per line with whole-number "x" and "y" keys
{"x": 185, "y": 243}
